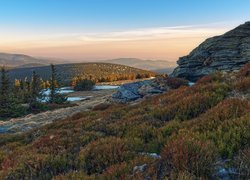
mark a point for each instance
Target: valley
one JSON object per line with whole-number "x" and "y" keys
{"x": 130, "y": 90}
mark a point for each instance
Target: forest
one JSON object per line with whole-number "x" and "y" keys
{"x": 98, "y": 72}
{"x": 23, "y": 96}
{"x": 186, "y": 133}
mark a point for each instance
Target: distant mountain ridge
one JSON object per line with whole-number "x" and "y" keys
{"x": 159, "y": 66}
{"x": 13, "y": 60}
{"x": 227, "y": 52}
{"x": 23, "y": 61}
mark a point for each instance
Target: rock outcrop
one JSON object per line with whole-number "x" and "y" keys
{"x": 136, "y": 90}
{"x": 227, "y": 52}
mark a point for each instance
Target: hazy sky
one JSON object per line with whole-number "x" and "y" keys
{"x": 104, "y": 29}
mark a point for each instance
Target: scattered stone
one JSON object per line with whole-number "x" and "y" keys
{"x": 139, "y": 168}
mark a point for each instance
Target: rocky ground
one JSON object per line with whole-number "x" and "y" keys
{"x": 141, "y": 89}
{"x": 127, "y": 93}
{"x": 31, "y": 121}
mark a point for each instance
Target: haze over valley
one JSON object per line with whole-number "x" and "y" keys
{"x": 147, "y": 90}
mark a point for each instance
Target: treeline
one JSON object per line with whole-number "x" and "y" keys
{"x": 118, "y": 77}
{"x": 97, "y": 72}
{"x": 24, "y": 97}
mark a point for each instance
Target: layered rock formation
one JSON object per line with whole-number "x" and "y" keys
{"x": 227, "y": 52}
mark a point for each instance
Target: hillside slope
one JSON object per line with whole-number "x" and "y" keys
{"x": 85, "y": 70}
{"x": 158, "y": 66}
{"x": 197, "y": 132}
{"x": 227, "y": 52}
{"x": 12, "y": 60}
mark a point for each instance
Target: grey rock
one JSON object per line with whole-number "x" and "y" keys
{"x": 136, "y": 90}
{"x": 227, "y": 52}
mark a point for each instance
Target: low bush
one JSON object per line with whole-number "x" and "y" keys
{"x": 242, "y": 163}
{"x": 244, "y": 71}
{"x": 242, "y": 85}
{"x": 100, "y": 154}
{"x": 190, "y": 154}
{"x": 175, "y": 83}
{"x": 84, "y": 85}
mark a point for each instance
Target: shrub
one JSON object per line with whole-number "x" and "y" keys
{"x": 175, "y": 83}
{"x": 126, "y": 170}
{"x": 214, "y": 77}
{"x": 243, "y": 85}
{"x": 205, "y": 79}
{"x": 242, "y": 163}
{"x": 183, "y": 175}
{"x": 244, "y": 71}
{"x": 84, "y": 85}
{"x": 187, "y": 153}
{"x": 226, "y": 125}
{"x": 74, "y": 175}
{"x": 103, "y": 153}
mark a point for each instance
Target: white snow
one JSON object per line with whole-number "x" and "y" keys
{"x": 103, "y": 87}
{"x": 191, "y": 83}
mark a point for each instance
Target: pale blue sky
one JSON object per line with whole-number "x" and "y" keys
{"x": 105, "y": 15}
{"x": 60, "y": 23}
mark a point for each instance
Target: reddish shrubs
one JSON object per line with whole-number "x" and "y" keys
{"x": 205, "y": 79}
{"x": 192, "y": 103}
{"x": 175, "y": 83}
{"x": 126, "y": 170}
{"x": 244, "y": 71}
{"x": 215, "y": 77}
{"x": 103, "y": 153}
{"x": 188, "y": 154}
{"x": 243, "y": 85}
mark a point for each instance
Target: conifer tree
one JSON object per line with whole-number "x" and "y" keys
{"x": 55, "y": 97}
{"x": 4, "y": 89}
{"x": 53, "y": 84}
{"x": 35, "y": 93}
{"x": 9, "y": 105}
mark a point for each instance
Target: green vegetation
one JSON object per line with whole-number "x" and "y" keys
{"x": 196, "y": 130}
{"x": 9, "y": 105}
{"x": 82, "y": 84}
{"x": 55, "y": 97}
{"x": 24, "y": 97}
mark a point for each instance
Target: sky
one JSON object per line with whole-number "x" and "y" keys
{"x": 89, "y": 30}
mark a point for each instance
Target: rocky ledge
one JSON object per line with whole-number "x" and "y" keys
{"x": 137, "y": 90}
{"x": 228, "y": 52}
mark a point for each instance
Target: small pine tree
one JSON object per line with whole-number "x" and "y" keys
{"x": 9, "y": 105}
{"x": 4, "y": 89}
{"x": 35, "y": 93}
{"x": 53, "y": 84}
{"x": 55, "y": 97}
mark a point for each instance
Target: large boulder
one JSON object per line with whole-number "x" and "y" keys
{"x": 136, "y": 90}
{"x": 228, "y": 52}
